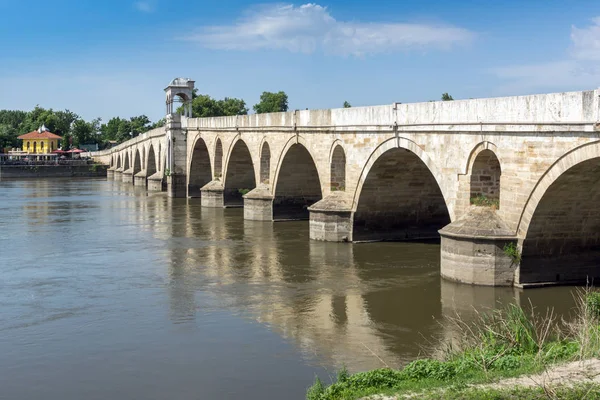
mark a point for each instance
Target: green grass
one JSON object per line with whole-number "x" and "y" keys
{"x": 500, "y": 344}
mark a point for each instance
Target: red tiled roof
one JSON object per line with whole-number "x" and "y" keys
{"x": 38, "y": 135}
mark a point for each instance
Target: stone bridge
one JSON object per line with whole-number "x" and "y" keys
{"x": 511, "y": 185}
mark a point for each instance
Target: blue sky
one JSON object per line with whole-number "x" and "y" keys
{"x": 114, "y": 57}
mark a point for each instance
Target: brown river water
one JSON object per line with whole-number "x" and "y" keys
{"x": 109, "y": 293}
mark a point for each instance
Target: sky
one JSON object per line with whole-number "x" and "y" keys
{"x": 114, "y": 57}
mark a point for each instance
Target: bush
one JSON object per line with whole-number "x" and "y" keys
{"x": 429, "y": 369}
{"x": 592, "y": 300}
{"x": 316, "y": 390}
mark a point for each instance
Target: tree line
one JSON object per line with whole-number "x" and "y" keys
{"x": 76, "y": 131}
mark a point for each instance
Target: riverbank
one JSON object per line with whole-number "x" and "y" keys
{"x": 501, "y": 344}
{"x": 52, "y": 171}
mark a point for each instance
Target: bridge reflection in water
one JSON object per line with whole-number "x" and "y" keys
{"x": 356, "y": 305}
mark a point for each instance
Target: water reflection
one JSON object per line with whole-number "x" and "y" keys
{"x": 194, "y": 297}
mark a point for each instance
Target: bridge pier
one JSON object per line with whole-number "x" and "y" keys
{"x": 155, "y": 182}
{"x": 128, "y": 176}
{"x": 140, "y": 179}
{"x": 211, "y": 195}
{"x": 177, "y": 185}
{"x": 473, "y": 249}
{"x": 110, "y": 174}
{"x": 331, "y": 219}
{"x": 258, "y": 205}
{"x": 118, "y": 175}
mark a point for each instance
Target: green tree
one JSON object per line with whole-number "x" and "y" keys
{"x": 139, "y": 124}
{"x": 233, "y": 106}
{"x": 347, "y": 105}
{"x": 446, "y": 97}
{"x": 205, "y": 106}
{"x": 65, "y": 144}
{"x": 271, "y": 102}
{"x": 161, "y": 122}
{"x": 81, "y": 132}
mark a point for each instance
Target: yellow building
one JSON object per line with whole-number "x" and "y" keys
{"x": 41, "y": 141}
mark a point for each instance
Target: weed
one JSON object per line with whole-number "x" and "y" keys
{"x": 243, "y": 192}
{"x": 512, "y": 251}
{"x": 316, "y": 390}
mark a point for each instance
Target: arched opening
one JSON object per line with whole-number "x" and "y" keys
{"x": 34, "y": 147}
{"x": 485, "y": 179}
{"x": 400, "y": 200}
{"x": 200, "y": 172}
{"x": 265, "y": 163}
{"x": 137, "y": 162}
{"x": 563, "y": 239}
{"x": 151, "y": 166}
{"x": 338, "y": 169}
{"x": 118, "y": 162}
{"x": 42, "y": 147}
{"x": 298, "y": 185}
{"x": 240, "y": 178}
{"x": 126, "y": 162}
{"x": 218, "y": 159}
{"x": 28, "y": 145}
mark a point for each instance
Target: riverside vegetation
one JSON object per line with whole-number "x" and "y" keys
{"x": 502, "y": 343}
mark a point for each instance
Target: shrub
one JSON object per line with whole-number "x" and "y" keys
{"x": 512, "y": 251}
{"x": 316, "y": 390}
{"x": 429, "y": 369}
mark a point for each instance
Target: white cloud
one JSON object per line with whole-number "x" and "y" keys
{"x": 310, "y": 27}
{"x": 574, "y": 72}
{"x": 586, "y": 41}
{"x": 145, "y": 6}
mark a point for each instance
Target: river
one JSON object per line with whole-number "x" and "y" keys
{"x": 107, "y": 292}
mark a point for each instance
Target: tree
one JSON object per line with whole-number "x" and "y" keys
{"x": 347, "y": 105}
{"x": 233, "y": 106}
{"x": 272, "y": 102}
{"x": 139, "y": 124}
{"x": 81, "y": 132}
{"x": 446, "y": 97}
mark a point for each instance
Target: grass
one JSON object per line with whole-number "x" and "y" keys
{"x": 484, "y": 201}
{"x": 499, "y": 344}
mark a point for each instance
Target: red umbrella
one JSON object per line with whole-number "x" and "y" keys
{"x": 76, "y": 151}
{"x": 59, "y": 151}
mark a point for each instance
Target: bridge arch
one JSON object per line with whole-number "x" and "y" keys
{"x": 151, "y": 167}
{"x": 399, "y": 195}
{"x": 137, "y": 161}
{"x": 297, "y": 181}
{"x": 118, "y": 161}
{"x": 199, "y": 172}
{"x": 337, "y": 175}
{"x": 126, "y": 161}
{"x": 265, "y": 162}
{"x": 218, "y": 169}
{"x": 484, "y": 173}
{"x": 239, "y": 174}
{"x": 559, "y": 228}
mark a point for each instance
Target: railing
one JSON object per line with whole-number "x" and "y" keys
{"x": 48, "y": 162}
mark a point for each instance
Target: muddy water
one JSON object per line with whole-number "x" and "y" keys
{"x": 106, "y": 292}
